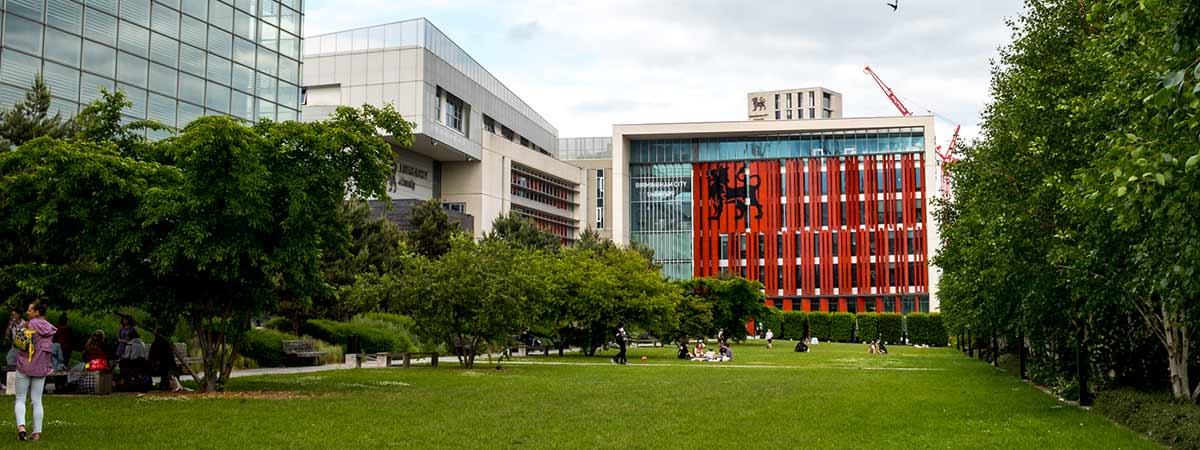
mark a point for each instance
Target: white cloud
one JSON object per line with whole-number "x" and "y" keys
{"x": 587, "y": 65}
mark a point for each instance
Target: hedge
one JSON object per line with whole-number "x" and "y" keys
{"x": 371, "y": 339}
{"x": 1158, "y": 416}
{"x": 841, "y": 327}
{"x": 819, "y": 325}
{"x": 794, "y": 326}
{"x": 868, "y": 327}
{"x": 926, "y": 329}
{"x": 265, "y": 346}
{"x": 891, "y": 327}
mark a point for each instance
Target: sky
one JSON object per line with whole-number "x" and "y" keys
{"x": 585, "y": 66}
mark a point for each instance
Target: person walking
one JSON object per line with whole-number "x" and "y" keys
{"x": 770, "y": 339}
{"x": 622, "y": 337}
{"x": 34, "y": 363}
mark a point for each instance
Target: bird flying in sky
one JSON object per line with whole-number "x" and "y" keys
{"x": 894, "y": 5}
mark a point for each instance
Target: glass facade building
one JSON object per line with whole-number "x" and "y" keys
{"x": 829, "y": 220}
{"x": 176, "y": 60}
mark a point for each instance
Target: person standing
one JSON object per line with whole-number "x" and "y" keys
{"x": 34, "y": 363}
{"x": 128, "y": 327}
{"x": 63, "y": 337}
{"x": 621, "y": 338}
{"x": 10, "y": 329}
{"x": 770, "y": 339}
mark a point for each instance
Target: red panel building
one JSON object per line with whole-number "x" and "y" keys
{"x": 830, "y": 215}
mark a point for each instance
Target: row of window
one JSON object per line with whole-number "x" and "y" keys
{"x": 893, "y": 280}
{"x": 557, "y": 225}
{"x": 812, "y": 114}
{"x": 490, "y": 125}
{"x": 782, "y": 146}
{"x": 857, "y": 304}
{"x": 909, "y": 237}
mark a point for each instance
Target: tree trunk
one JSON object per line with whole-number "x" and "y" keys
{"x": 1022, "y": 349}
{"x": 1082, "y": 365}
{"x": 970, "y": 346}
{"x": 1177, "y": 343}
{"x": 995, "y": 351}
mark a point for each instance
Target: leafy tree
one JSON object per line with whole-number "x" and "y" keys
{"x": 432, "y": 230}
{"x": 475, "y": 295}
{"x": 30, "y": 118}
{"x": 512, "y": 227}
{"x": 732, "y": 302}
{"x": 375, "y": 250}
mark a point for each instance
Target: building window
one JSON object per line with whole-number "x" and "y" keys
{"x": 812, "y": 113}
{"x": 826, "y": 114}
{"x": 451, "y": 110}
{"x": 812, "y": 98}
{"x": 761, "y": 246}
{"x": 777, "y": 102}
{"x": 779, "y": 245}
{"x": 835, "y": 245}
{"x": 742, "y": 253}
{"x": 789, "y": 104}
{"x": 825, "y": 100}
{"x": 599, "y": 199}
{"x": 789, "y": 114}
{"x": 456, "y": 207}
{"x": 723, "y": 247}
{"x": 489, "y": 124}
{"x": 776, "y": 114}
{"x": 507, "y": 133}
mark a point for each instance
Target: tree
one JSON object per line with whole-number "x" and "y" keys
{"x": 731, "y": 301}
{"x": 513, "y": 227}
{"x": 432, "y": 230}
{"x": 376, "y": 249}
{"x": 475, "y": 295}
{"x": 30, "y": 118}
{"x": 255, "y": 212}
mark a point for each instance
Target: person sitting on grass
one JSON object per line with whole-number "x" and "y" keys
{"x": 801, "y": 347}
{"x": 871, "y": 347}
{"x": 726, "y": 353}
{"x": 699, "y": 352}
{"x": 683, "y": 352}
{"x": 880, "y": 347}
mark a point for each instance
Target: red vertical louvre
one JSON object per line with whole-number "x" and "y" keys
{"x": 700, "y": 241}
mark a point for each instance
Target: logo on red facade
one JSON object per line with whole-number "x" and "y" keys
{"x": 721, "y": 191}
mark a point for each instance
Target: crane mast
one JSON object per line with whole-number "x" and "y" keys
{"x": 944, "y": 159}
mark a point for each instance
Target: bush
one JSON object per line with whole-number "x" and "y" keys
{"x": 265, "y": 346}
{"x": 891, "y": 326}
{"x": 819, "y": 324}
{"x": 370, "y": 338}
{"x": 868, "y": 327}
{"x": 398, "y": 320}
{"x": 841, "y": 327}
{"x": 794, "y": 325}
{"x": 1158, "y": 416}
{"x": 926, "y": 329}
{"x": 279, "y": 323}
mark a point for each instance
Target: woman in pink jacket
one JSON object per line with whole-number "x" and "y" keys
{"x": 34, "y": 363}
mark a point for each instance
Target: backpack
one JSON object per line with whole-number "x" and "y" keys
{"x": 22, "y": 339}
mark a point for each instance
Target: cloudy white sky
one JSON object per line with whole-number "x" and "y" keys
{"x": 587, "y": 65}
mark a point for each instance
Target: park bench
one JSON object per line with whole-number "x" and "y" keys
{"x": 302, "y": 350}
{"x": 104, "y": 380}
{"x": 647, "y": 340}
{"x": 181, "y": 355}
{"x": 522, "y": 349}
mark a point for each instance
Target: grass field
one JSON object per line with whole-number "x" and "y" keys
{"x": 834, "y": 397}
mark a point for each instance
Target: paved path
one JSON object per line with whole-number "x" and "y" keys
{"x": 723, "y": 365}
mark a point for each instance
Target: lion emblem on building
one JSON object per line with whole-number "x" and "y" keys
{"x": 760, "y": 103}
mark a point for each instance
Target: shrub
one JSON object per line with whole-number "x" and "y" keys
{"x": 265, "y": 346}
{"x": 868, "y": 327}
{"x": 819, "y": 325}
{"x": 891, "y": 326}
{"x": 1158, "y": 416}
{"x": 926, "y": 329}
{"x": 279, "y": 323}
{"x": 398, "y": 320}
{"x": 794, "y": 325}
{"x": 841, "y": 327}
{"x": 370, "y": 338}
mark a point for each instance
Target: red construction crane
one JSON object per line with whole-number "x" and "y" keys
{"x": 945, "y": 158}
{"x": 888, "y": 91}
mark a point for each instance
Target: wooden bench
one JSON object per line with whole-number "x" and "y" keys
{"x": 652, "y": 341}
{"x": 181, "y": 355}
{"x": 104, "y": 380}
{"x": 303, "y": 350}
{"x": 519, "y": 348}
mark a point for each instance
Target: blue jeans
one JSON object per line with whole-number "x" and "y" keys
{"x": 33, "y": 387}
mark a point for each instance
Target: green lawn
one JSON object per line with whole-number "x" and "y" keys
{"x": 837, "y": 396}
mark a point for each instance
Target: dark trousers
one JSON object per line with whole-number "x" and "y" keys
{"x": 620, "y": 358}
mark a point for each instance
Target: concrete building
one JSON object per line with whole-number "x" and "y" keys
{"x": 478, "y": 146}
{"x": 794, "y": 104}
{"x": 830, "y": 215}
{"x": 593, "y": 154}
{"x": 176, "y": 60}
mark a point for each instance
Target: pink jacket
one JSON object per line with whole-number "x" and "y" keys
{"x": 42, "y": 362}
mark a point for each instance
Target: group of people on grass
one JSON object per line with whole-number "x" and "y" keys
{"x": 701, "y": 352}
{"x": 877, "y": 347}
{"x": 36, "y": 350}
